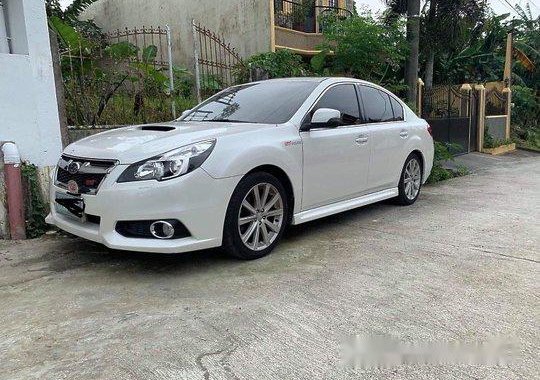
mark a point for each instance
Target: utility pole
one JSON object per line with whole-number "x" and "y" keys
{"x": 413, "y": 39}
{"x": 508, "y": 61}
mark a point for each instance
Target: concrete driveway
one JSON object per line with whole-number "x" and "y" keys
{"x": 462, "y": 265}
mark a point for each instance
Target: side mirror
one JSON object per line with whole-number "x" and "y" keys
{"x": 185, "y": 113}
{"x": 326, "y": 118}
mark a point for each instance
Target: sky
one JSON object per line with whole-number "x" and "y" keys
{"x": 499, "y": 6}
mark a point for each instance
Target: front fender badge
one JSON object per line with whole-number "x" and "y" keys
{"x": 292, "y": 142}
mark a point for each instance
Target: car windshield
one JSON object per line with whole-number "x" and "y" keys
{"x": 272, "y": 102}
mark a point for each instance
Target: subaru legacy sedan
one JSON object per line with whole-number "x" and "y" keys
{"x": 240, "y": 167}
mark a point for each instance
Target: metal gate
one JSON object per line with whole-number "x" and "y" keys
{"x": 216, "y": 62}
{"x": 451, "y": 111}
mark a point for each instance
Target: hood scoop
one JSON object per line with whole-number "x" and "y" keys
{"x": 157, "y": 128}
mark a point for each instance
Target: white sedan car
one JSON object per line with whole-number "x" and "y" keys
{"x": 241, "y": 166}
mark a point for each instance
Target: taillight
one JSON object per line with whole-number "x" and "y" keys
{"x": 430, "y": 130}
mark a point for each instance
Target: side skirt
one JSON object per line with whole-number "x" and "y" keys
{"x": 334, "y": 208}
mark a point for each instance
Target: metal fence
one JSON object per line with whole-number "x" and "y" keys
{"x": 143, "y": 38}
{"x": 451, "y": 113}
{"x": 496, "y": 102}
{"x": 122, "y": 77}
{"x": 217, "y": 63}
{"x": 304, "y": 15}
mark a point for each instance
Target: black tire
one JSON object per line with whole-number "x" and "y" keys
{"x": 402, "y": 198}
{"x": 232, "y": 241}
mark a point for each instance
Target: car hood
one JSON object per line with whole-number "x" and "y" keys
{"x": 136, "y": 143}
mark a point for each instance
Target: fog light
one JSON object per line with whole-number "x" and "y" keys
{"x": 162, "y": 229}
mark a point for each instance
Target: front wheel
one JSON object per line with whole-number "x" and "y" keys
{"x": 410, "y": 181}
{"x": 256, "y": 217}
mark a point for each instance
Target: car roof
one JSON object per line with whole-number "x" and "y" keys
{"x": 316, "y": 80}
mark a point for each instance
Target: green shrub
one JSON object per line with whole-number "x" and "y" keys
{"x": 279, "y": 64}
{"x": 526, "y": 117}
{"x": 35, "y": 207}
{"x": 490, "y": 142}
{"x": 443, "y": 153}
{"x": 366, "y": 48}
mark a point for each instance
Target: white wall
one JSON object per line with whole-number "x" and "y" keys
{"x": 28, "y": 107}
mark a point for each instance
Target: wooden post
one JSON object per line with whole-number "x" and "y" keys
{"x": 481, "y": 115}
{"x": 419, "y": 97}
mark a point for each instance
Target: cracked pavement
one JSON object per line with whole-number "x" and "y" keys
{"x": 461, "y": 265}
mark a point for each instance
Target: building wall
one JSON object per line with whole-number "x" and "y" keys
{"x": 298, "y": 42}
{"x": 245, "y": 24}
{"x": 28, "y": 107}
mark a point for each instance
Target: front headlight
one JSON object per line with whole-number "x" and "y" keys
{"x": 169, "y": 165}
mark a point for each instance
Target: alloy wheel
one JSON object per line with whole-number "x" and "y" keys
{"x": 260, "y": 217}
{"x": 412, "y": 179}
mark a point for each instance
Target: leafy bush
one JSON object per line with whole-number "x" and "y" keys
{"x": 115, "y": 83}
{"x": 35, "y": 207}
{"x": 490, "y": 142}
{"x": 279, "y": 64}
{"x": 366, "y": 48}
{"x": 443, "y": 153}
{"x": 526, "y": 117}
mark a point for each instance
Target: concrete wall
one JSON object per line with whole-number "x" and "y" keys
{"x": 3, "y": 212}
{"x": 28, "y": 107}
{"x": 298, "y": 42}
{"x": 497, "y": 126}
{"x": 245, "y": 24}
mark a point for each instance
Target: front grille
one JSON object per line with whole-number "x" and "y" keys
{"x": 87, "y": 174}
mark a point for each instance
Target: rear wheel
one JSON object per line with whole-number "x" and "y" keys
{"x": 411, "y": 181}
{"x": 256, "y": 217}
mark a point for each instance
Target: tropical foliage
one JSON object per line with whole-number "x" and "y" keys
{"x": 280, "y": 64}
{"x": 112, "y": 83}
{"x": 366, "y": 48}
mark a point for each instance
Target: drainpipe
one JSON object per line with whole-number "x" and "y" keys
{"x": 4, "y": 45}
{"x": 14, "y": 190}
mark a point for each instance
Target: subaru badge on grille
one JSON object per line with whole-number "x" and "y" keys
{"x": 72, "y": 187}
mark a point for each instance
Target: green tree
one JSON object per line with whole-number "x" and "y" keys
{"x": 412, "y": 9}
{"x": 72, "y": 11}
{"x": 448, "y": 26}
{"x": 366, "y": 48}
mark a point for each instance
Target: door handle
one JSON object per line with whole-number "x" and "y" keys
{"x": 404, "y": 134}
{"x": 362, "y": 139}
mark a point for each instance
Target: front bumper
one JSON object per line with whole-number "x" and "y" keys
{"x": 196, "y": 199}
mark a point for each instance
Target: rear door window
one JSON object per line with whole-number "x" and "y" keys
{"x": 397, "y": 108}
{"x": 377, "y": 106}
